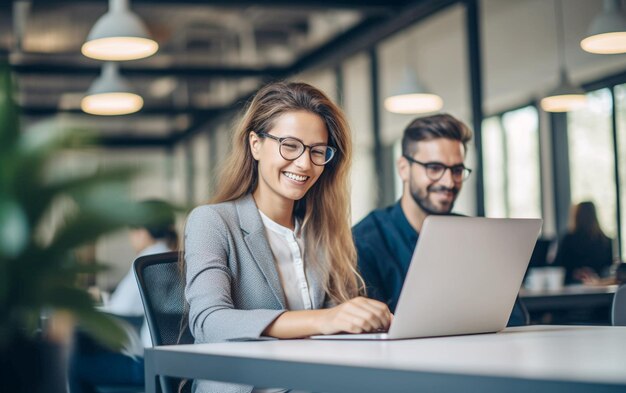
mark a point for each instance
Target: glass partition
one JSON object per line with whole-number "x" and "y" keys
{"x": 512, "y": 164}
{"x": 591, "y": 160}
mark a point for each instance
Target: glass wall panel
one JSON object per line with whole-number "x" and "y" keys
{"x": 521, "y": 128}
{"x": 512, "y": 164}
{"x": 591, "y": 161}
{"x": 494, "y": 168}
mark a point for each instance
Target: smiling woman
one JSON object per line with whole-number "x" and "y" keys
{"x": 286, "y": 177}
{"x": 273, "y": 255}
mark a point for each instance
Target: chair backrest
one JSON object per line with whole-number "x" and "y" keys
{"x": 618, "y": 312}
{"x": 162, "y": 286}
{"x": 162, "y": 291}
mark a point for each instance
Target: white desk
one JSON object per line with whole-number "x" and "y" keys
{"x": 527, "y": 359}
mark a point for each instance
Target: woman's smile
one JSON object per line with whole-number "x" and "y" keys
{"x": 296, "y": 178}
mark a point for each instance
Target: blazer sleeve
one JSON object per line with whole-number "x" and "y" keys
{"x": 212, "y": 314}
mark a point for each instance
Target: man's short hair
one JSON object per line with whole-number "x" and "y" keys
{"x": 433, "y": 127}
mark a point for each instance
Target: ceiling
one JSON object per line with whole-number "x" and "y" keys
{"x": 212, "y": 54}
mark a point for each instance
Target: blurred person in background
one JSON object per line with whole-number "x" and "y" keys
{"x": 92, "y": 365}
{"x": 585, "y": 251}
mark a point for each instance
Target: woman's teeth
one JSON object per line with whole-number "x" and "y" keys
{"x": 295, "y": 177}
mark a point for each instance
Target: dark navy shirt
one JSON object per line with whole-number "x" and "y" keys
{"x": 385, "y": 242}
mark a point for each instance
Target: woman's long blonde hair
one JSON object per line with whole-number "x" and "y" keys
{"x": 325, "y": 209}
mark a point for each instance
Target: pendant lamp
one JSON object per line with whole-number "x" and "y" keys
{"x": 111, "y": 95}
{"x": 607, "y": 33}
{"x": 119, "y": 35}
{"x": 565, "y": 97}
{"x": 410, "y": 96}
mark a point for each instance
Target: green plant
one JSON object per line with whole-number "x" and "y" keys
{"x": 45, "y": 214}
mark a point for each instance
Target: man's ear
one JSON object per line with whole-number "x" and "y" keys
{"x": 403, "y": 166}
{"x": 255, "y": 144}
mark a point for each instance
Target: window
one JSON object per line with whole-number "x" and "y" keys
{"x": 494, "y": 168}
{"x": 512, "y": 164}
{"x": 591, "y": 159}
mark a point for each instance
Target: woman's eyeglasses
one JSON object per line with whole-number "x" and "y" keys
{"x": 292, "y": 148}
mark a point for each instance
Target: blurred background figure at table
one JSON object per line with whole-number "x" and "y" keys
{"x": 94, "y": 368}
{"x": 585, "y": 251}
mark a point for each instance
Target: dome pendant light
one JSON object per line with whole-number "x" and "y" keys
{"x": 110, "y": 95}
{"x": 565, "y": 97}
{"x": 607, "y": 33}
{"x": 119, "y": 35}
{"x": 411, "y": 97}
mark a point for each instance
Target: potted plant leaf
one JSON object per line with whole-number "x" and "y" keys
{"x": 45, "y": 215}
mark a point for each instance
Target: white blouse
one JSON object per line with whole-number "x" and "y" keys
{"x": 288, "y": 249}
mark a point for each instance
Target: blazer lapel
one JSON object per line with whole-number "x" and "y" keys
{"x": 254, "y": 235}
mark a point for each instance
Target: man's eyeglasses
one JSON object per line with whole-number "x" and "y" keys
{"x": 436, "y": 170}
{"x": 292, "y": 148}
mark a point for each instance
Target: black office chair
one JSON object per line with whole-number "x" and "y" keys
{"x": 618, "y": 311}
{"x": 162, "y": 290}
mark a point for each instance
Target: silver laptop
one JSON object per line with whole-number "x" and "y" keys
{"x": 463, "y": 279}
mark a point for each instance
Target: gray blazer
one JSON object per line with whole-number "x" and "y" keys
{"x": 232, "y": 285}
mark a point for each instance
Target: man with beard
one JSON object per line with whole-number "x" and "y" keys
{"x": 432, "y": 170}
